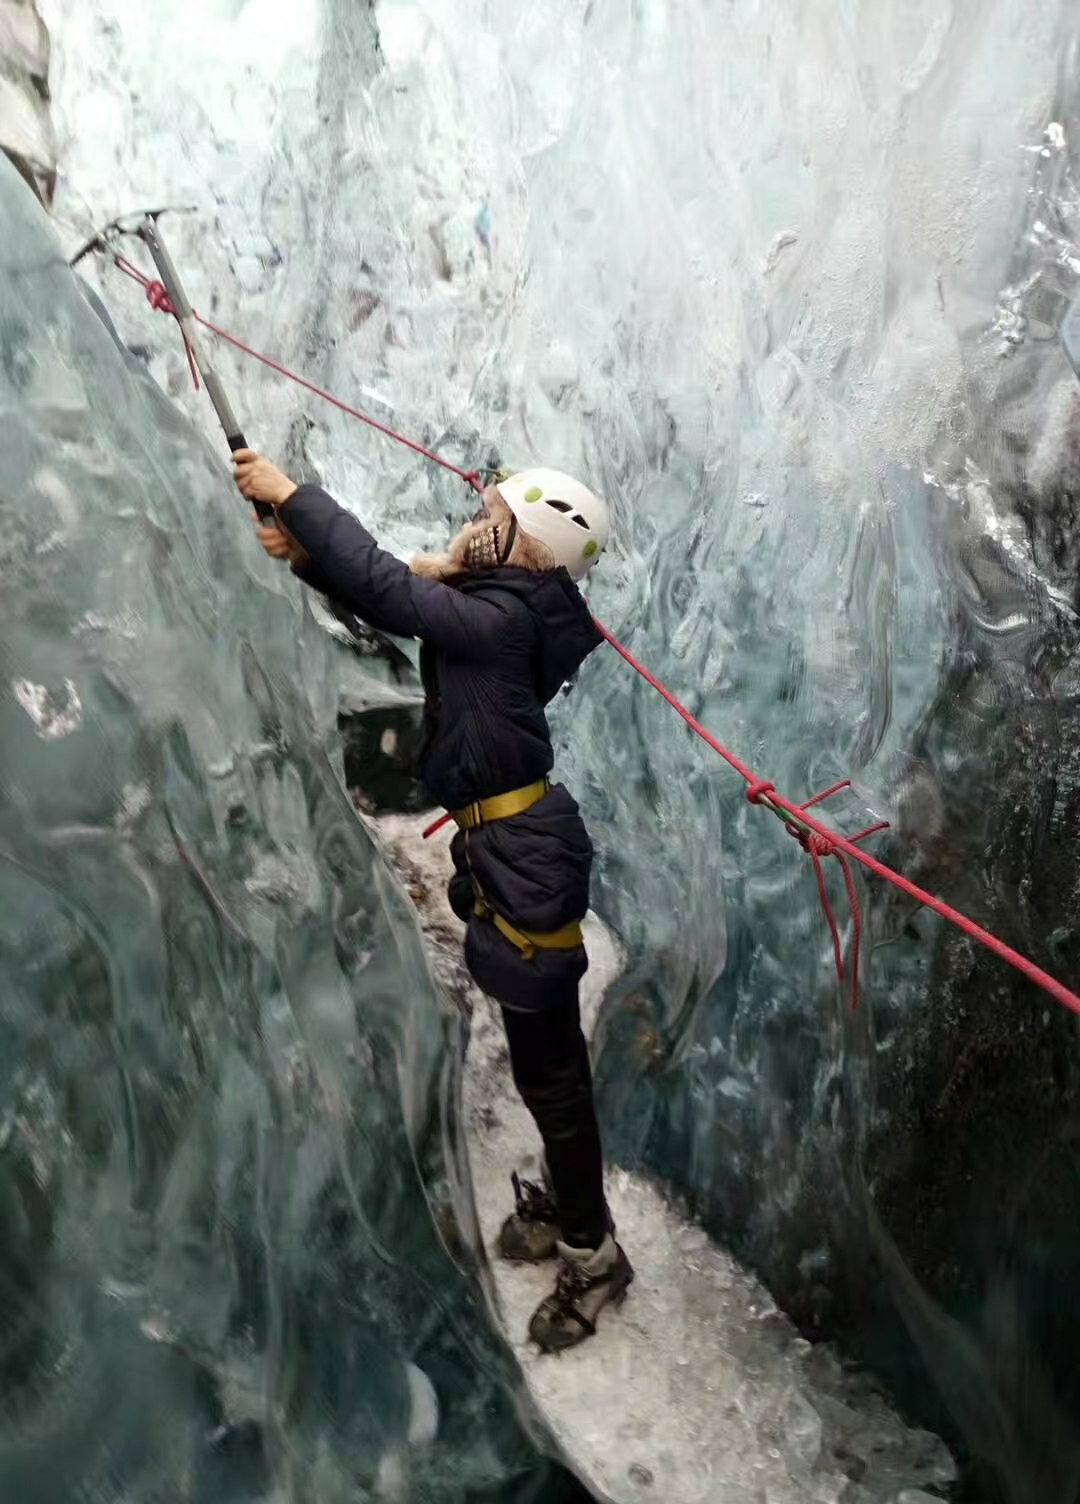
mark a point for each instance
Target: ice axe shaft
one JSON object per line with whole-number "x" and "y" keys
{"x": 181, "y": 304}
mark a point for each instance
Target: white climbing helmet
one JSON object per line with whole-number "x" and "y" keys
{"x": 560, "y": 512}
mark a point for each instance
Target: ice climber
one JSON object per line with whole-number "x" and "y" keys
{"x": 502, "y": 626}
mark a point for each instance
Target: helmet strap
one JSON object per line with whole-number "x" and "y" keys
{"x": 511, "y": 534}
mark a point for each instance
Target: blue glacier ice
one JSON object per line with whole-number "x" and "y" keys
{"x": 224, "y": 1061}
{"x": 784, "y": 282}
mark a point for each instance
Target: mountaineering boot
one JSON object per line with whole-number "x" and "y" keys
{"x": 588, "y": 1279}
{"x": 529, "y": 1235}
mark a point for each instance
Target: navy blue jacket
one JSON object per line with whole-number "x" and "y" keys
{"x": 496, "y": 649}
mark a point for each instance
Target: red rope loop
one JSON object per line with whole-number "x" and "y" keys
{"x": 158, "y": 298}
{"x": 818, "y": 846}
{"x": 758, "y": 789}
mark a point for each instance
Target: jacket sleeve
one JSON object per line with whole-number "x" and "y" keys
{"x": 349, "y": 565}
{"x": 312, "y": 575}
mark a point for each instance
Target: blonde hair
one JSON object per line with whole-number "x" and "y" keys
{"x": 470, "y": 552}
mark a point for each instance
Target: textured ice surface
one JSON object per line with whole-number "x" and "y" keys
{"x": 222, "y": 1057}
{"x": 783, "y": 281}
{"x": 742, "y": 270}
{"x": 698, "y": 1391}
{"x": 53, "y": 715}
{"x": 26, "y": 128}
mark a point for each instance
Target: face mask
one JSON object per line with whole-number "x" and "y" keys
{"x": 492, "y": 547}
{"x": 483, "y": 550}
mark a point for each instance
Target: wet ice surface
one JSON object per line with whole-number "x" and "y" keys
{"x": 26, "y": 130}
{"x": 221, "y": 1052}
{"x": 784, "y": 314}
{"x": 699, "y": 1391}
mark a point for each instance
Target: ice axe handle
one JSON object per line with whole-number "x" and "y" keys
{"x": 185, "y": 316}
{"x": 237, "y": 441}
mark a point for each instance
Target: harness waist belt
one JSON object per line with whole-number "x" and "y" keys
{"x": 529, "y": 942}
{"x": 501, "y": 806}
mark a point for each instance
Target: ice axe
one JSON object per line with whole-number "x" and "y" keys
{"x": 124, "y": 224}
{"x": 150, "y": 234}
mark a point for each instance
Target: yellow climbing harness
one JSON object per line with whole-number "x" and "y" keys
{"x": 529, "y": 942}
{"x": 501, "y": 807}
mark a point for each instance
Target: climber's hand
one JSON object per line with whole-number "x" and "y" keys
{"x": 259, "y": 480}
{"x": 277, "y": 542}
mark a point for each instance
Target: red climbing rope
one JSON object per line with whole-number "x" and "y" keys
{"x": 158, "y": 298}
{"x": 803, "y": 826}
{"x": 816, "y": 839}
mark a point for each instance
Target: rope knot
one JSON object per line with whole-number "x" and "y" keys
{"x": 158, "y": 298}
{"x": 757, "y": 791}
{"x": 818, "y": 845}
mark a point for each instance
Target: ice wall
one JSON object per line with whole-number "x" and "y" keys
{"x": 26, "y": 129}
{"x": 224, "y": 1258}
{"x": 783, "y": 281}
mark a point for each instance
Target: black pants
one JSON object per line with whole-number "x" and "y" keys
{"x": 550, "y": 1062}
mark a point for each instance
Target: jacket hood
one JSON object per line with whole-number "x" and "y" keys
{"x": 566, "y": 632}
